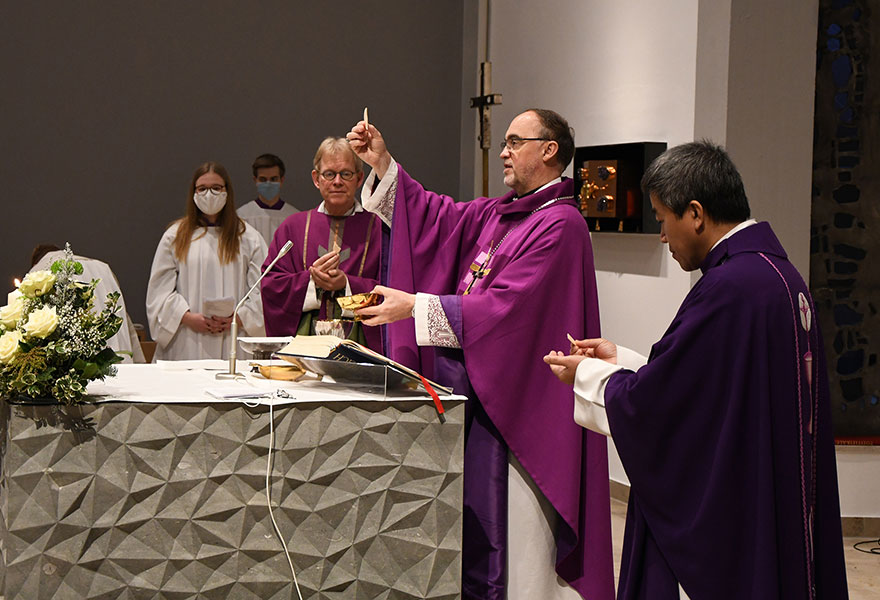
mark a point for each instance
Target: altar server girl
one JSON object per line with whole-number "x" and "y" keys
{"x": 205, "y": 263}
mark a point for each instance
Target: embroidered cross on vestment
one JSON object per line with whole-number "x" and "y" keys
{"x": 479, "y": 270}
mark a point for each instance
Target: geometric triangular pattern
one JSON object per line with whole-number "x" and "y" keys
{"x": 120, "y": 500}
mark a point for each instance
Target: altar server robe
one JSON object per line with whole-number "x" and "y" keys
{"x": 265, "y": 219}
{"x": 126, "y": 339}
{"x": 725, "y": 435}
{"x": 177, "y": 286}
{"x": 539, "y": 286}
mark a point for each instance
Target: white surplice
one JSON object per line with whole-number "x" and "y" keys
{"x": 265, "y": 220}
{"x": 126, "y": 339}
{"x": 178, "y": 286}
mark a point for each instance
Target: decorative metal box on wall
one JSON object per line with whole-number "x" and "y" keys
{"x": 607, "y": 180}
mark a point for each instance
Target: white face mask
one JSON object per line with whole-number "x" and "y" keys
{"x": 210, "y": 202}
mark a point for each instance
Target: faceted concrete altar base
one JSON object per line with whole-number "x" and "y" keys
{"x": 125, "y": 500}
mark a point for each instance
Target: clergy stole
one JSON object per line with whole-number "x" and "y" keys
{"x": 330, "y": 309}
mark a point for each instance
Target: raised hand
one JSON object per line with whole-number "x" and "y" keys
{"x": 368, "y": 143}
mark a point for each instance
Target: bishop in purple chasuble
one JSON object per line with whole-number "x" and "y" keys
{"x": 314, "y": 234}
{"x": 514, "y": 275}
{"x": 726, "y": 438}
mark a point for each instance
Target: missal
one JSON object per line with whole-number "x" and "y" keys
{"x": 331, "y": 348}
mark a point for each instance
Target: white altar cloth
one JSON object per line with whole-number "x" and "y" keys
{"x": 178, "y": 382}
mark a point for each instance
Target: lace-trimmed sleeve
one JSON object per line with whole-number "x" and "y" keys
{"x": 432, "y": 325}
{"x": 381, "y": 201}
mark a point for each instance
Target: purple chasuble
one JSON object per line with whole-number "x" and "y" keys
{"x": 284, "y": 288}
{"x": 538, "y": 286}
{"x": 726, "y": 438}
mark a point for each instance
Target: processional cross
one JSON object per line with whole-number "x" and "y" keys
{"x": 484, "y": 103}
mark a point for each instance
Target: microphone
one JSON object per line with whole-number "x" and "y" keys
{"x": 233, "y": 343}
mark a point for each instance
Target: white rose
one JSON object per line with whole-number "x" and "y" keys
{"x": 11, "y": 296}
{"x": 11, "y": 313}
{"x": 37, "y": 283}
{"x": 9, "y": 345}
{"x": 41, "y": 322}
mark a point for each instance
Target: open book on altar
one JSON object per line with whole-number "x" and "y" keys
{"x": 340, "y": 359}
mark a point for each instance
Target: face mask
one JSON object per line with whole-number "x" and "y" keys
{"x": 210, "y": 202}
{"x": 269, "y": 189}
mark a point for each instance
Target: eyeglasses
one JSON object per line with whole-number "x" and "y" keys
{"x": 331, "y": 175}
{"x": 214, "y": 188}
{"x": 514, "y": 142}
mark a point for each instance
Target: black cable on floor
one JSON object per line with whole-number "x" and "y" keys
{"x": 874, "y": 550}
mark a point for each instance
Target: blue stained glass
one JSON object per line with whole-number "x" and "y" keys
{"x": 841, "y": 100}
{"x": 873, "y": 400}
{"x": 841, "y": 70}
{"x": 857, "y": 14}
{"x": 833, "y": 44}
{"x": 847, "y": 115}
{"x": 833, "y": 29}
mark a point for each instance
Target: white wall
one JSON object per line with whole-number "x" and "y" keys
{"x": 672, "y": 71}
{"x": 858, "y": 475}
{"x": 619, "y": 72}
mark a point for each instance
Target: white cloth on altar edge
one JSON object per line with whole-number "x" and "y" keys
{"x": 172, "y": 383}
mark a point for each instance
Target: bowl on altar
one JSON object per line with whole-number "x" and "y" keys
{"x": 263, "y": 347}
{"x": 336, "y": 327}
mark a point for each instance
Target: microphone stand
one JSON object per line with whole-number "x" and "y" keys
{"x": 233, "y": 330}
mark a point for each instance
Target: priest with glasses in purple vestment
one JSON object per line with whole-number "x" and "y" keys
{"x": 725, "y": 430}
{"x": 336, "y": 252}
{"x": 469, "y": 289}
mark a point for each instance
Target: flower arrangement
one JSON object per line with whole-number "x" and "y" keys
{"x": 52, "y": 342}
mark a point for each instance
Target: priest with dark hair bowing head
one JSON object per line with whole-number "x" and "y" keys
{"x": 725, "y": 430}
{"x": 487, "y": 273}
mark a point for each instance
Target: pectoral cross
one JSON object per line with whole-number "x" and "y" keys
{"x": 479, "y": 270}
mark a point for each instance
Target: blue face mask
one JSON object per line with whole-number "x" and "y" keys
{"x": 269, "y": 190}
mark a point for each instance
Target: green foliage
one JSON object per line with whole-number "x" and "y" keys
{"x": 61, "y": 364}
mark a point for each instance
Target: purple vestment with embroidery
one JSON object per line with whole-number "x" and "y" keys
{"x": 284, "y": 288}
{"x": 716, "y": 433}
{"x": 539, "y": 286}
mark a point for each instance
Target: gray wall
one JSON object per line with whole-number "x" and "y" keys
{"x": 108, "y": 107}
